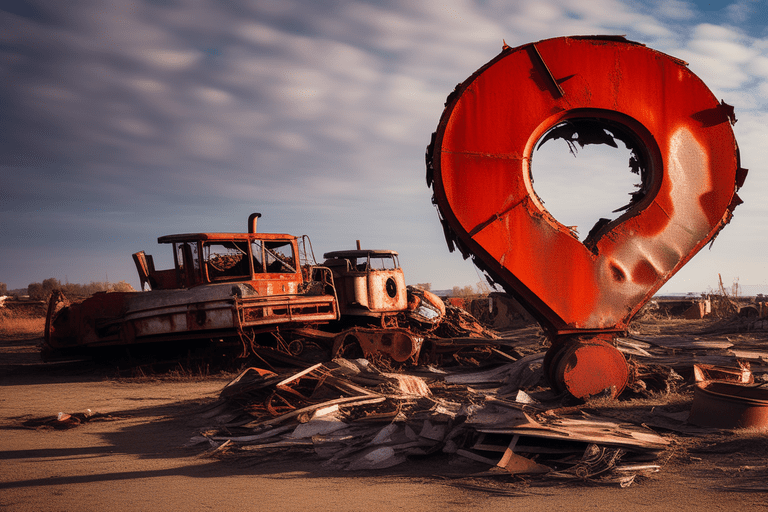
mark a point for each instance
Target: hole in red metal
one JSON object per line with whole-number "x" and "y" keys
{"x": 582, "y": 171}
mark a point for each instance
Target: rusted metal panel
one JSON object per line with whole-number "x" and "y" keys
{"x": 480, "y": 167}
{"x": 255, "y": 311}
{"x": 399, "y": 344}
{"x": 386, "y": 290}
{"x": 707, "y": 372}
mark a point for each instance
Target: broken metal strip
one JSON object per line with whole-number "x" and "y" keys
{"x": 297, "y": 376}
{"x": 495, "y": 217}
{"x": 346, "y": 400}
{"x": 255, "y": 438}
{"x": 548, "y": 73}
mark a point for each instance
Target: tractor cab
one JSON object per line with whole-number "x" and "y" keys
{"x": 368, "y": 282}
{"x": 269, "y": 262}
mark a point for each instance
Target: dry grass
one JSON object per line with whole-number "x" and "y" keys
{"x": 158, "y": 372}
{"x": 18, "y": 325}
{"x": 184, "y": 370}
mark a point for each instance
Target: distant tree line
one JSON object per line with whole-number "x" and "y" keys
{"x": 462, "y": 291}
{"x": 43, "y": 291}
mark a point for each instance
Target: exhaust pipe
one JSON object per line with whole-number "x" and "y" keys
{"x": 252, "y": 220}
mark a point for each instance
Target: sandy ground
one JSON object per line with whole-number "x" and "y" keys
{"x": 137, "y": 460}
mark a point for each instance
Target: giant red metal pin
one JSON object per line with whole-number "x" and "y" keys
{"x": 479, "y": 165}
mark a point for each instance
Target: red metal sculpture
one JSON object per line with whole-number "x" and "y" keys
{"x": 583, "y": 294}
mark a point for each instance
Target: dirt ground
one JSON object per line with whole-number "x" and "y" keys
{"x": 136, "y": 459}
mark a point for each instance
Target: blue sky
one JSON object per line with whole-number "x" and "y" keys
{"x": 123, "y": 121}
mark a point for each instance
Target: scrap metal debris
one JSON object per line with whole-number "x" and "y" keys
{"x": 64, "y": 421}
{"x": 729, "y": 405}
{"x": 728, "y": 398}
{"x": 355, "y": 416}
{"x": 362, "y": 415}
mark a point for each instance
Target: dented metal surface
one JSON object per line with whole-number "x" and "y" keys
{"x": 585, "y": 90}
{"x": 424, "y": 307}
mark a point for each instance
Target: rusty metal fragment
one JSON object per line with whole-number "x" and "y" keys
{"x": 399, "y": 344}
{"x": 517, "y": 464}
{"x": 709, "y": 372}
{"x": 727, "y": 397}
{"x": 729, "y": 405}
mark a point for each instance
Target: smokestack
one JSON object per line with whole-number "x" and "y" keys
{"x": 252, "y": 220}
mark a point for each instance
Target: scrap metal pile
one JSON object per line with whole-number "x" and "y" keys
{"x": 354, "y": 415}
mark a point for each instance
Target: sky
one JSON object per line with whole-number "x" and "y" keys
{"x": 122, "y": 121}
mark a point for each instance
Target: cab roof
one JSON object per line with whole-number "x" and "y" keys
{"x": 358, "y": 253}
{"x": 243, "y": 237}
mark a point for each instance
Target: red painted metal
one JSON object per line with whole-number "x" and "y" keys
{"x": 479, "y": 165}
{"x": 587, "y": 367}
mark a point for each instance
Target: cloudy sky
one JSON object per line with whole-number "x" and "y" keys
{"x": 121, "y": 121}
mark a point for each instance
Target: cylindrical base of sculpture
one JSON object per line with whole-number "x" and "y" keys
{"x": 586, "y": 367}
